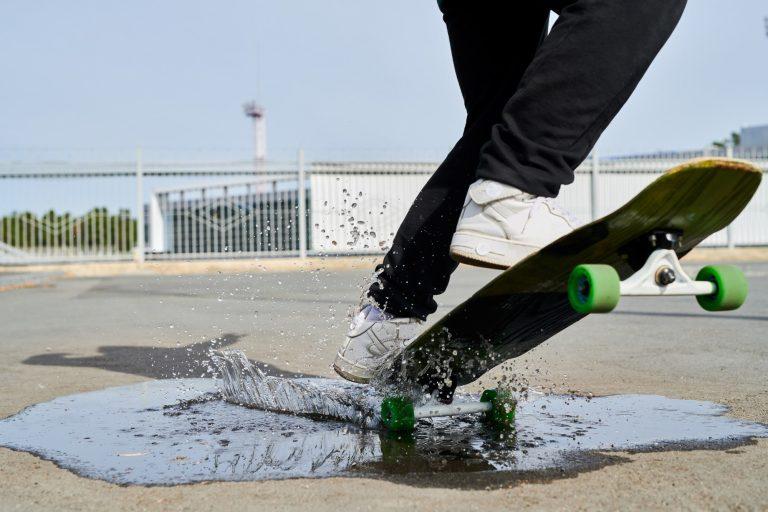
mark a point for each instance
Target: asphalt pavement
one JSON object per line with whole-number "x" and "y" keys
{"x": 67, "y": 336}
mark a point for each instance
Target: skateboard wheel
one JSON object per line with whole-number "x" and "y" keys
{"x": 502, "y": 413}
{"x": 731, "y": 288}
{"x": 594, "y": 288}
{"x": 397, "y": 414}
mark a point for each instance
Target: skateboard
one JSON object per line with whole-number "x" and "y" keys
{"x": 633, "y": 251}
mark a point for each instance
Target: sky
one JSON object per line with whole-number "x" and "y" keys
{"x": 343, "y": 79}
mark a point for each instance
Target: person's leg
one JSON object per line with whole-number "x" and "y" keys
{"x": 594, "y": 57}
{"x": 492, "y": 43}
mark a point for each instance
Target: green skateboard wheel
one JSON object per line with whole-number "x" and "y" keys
{"x": 731, "y": 288}
{"x": 397, "y": 414}
{"x": 502, "y": 413}
{"x": 594, "y": 288}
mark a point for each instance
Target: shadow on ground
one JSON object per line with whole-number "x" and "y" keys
{"x": 183, "y": 361}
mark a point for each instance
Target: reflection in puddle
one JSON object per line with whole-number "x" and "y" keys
{"x": 172, "y": 432}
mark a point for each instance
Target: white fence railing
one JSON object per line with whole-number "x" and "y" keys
{"x": 60, "y": 213}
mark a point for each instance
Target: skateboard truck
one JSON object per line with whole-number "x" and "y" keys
{"x": 665, "y": 239}
{"x": 597, "y": 288}
{"x": 399, "y": 414}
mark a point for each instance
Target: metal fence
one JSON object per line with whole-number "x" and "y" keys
{"x": 249, "y": 218}
{"x": 53, "y": 212}
{"x": 56, "y": 212}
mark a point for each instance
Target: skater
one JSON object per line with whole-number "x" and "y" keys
{"x": 536, "y": 104}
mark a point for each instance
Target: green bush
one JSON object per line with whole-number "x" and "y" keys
{"x": 95, "y": 230}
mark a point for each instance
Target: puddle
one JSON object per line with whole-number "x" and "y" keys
{"x": 174, "y": 432}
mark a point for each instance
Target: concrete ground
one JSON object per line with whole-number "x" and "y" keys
{"x": 62, "y": 336}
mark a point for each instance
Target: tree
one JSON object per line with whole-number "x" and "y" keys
{"x": 734, "y": 139}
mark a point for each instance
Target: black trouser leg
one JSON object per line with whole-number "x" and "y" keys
{"x": 582, "y": 75}
{"x": 418, "y": 265}
{"x": 534, "y": 110}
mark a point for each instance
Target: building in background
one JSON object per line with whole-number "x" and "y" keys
{"x": 754, "y": 137}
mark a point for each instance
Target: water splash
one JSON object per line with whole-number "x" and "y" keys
{"x": 244, "y": 384}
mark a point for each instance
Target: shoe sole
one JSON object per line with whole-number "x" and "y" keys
{"x": 496, "y": 253}
{"x": 339, "y": 367}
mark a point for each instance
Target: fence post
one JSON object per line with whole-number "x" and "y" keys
{"x": 156, "y": 224}
{"x": 302, "y": 178}
{"x": 595, "y": 178}
{"x": 729, "y": 229}
{"x": 140, "y": 247}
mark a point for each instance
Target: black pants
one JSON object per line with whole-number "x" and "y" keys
{"x": 536, "y": 104}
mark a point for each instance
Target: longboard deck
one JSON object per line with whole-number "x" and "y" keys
{"x": 528, "y": 303}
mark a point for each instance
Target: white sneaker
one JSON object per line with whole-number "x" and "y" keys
{"x": 372, "y": 335}
{"x": 500, "y": 225}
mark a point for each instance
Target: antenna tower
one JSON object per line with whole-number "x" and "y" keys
{"x": 258, "y": 115}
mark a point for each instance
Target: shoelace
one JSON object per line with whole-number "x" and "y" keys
{"x": 556, "y": 208}
{"x": 368, "y": 313}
